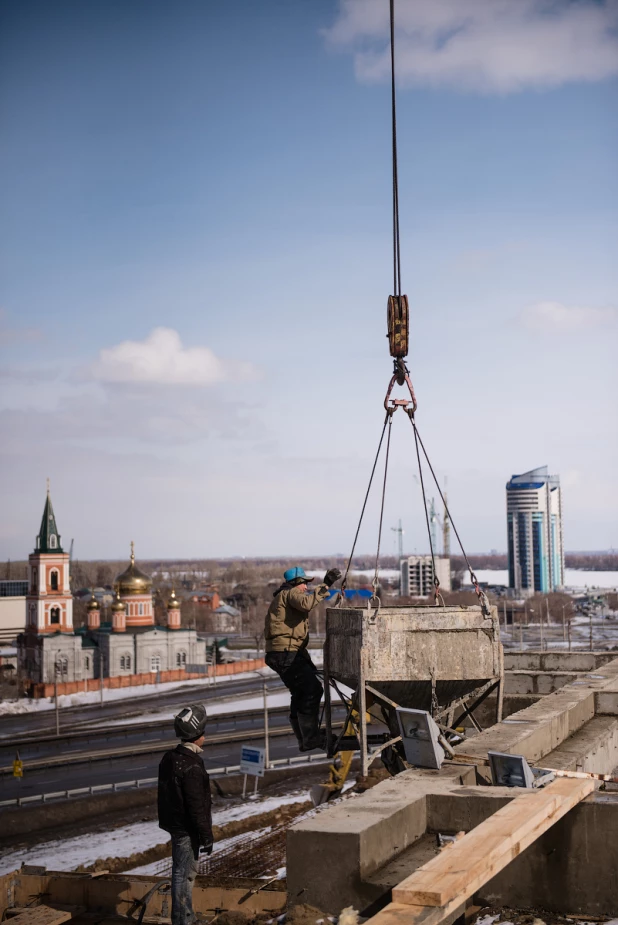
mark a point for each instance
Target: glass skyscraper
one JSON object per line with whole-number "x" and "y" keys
{"x": 534, "y": 531}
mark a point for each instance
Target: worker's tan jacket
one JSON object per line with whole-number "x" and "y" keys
{"x": 287, "y": 620}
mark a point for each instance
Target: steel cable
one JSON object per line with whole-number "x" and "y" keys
{"x": 388, "y": 447}
{"x": 375, "y": 463}
{"x": 396, "y": 242}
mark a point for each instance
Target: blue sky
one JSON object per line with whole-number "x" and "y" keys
{"x": 222, "y": 172}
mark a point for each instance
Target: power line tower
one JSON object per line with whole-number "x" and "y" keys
{"x": 446, "y": 528}
{"x": 400, "y": 532}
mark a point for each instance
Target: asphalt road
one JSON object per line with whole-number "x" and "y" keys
{"x": 106, "y": 738}
{"x": 74, "y": 717}
{"x": 131, "y": 767}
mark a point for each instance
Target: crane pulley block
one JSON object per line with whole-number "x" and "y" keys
{"x": 398, "y": 324}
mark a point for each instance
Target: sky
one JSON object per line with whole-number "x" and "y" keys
{"x": 196, "y": 255}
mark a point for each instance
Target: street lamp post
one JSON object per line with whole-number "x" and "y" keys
{"x": 101, "y": 672}
{"x": 56, "y": 667}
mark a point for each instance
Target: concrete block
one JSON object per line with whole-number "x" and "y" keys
{"x": 593, "y": 748}
{"x": 536, "y": 682}
{"x": 330, "y": 855}
{"x": 555, "y": 660}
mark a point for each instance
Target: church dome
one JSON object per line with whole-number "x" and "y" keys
{"x": 173, "y": 603}
{"x": 133, "y": 580}
{"x": 118, "y": 606}
{"x": 93, "y": 603}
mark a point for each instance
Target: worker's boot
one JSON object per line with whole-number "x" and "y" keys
{"x": 312, "y": 735}
{"x": 296, "y": 730}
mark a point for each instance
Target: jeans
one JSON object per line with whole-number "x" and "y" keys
{"x": 185, "y": 851}
{"x": 298, "y": 673}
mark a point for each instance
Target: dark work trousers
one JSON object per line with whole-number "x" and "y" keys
{"x": 298, "y": 673}
{"x": 185, "y": 852}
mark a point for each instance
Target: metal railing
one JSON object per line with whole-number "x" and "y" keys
{"x": 230, "y": 770}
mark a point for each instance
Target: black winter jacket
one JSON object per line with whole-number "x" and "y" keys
{"x": 184, "y": 796}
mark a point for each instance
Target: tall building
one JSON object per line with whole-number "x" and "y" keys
{"x": 534, "y": 530}
{"x": 417, "y": 575}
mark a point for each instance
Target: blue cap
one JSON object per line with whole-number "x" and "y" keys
{"x": 294, "y": 573}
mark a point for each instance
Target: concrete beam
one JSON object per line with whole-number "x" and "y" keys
{"x": 542, "y": 727}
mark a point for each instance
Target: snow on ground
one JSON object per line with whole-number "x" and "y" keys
{"x": 69, "y": 853}
{"x": 124, "y": 693}
{"x": 574, "y": 578}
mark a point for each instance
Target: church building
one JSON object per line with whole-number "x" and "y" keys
{"x": 51, "y": 650}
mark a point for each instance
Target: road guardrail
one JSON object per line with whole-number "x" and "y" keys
{"x": 229, "y": 771}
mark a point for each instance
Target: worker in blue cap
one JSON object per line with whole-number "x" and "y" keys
{"x": 287, "y": 638}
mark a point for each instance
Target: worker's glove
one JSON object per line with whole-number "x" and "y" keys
{"x": 332, "y": 575}
{"x": 206, "y": 849}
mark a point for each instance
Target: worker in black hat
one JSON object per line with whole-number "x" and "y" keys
{"x": 287, "y": 637}
{"x": 185, "y": 808}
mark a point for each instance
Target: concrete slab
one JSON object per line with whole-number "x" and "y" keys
{"x": 553, "y": 660}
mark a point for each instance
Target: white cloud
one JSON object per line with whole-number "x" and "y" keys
{"x": 553, "y": 316}
{"x": 492, "y": 46}
{"x": 162, "y": 359}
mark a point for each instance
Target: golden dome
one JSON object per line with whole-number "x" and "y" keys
{"x": 118, "y": 606}
{"x": 93, "y": 603}
{"x": 173, "y": 603}
{"x": 132, "y": 580}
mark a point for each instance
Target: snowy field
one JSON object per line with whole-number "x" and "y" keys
{"x": 67, "y": 854}
{"x": 574, "y": 579}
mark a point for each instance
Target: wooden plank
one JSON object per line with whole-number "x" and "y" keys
{"x": 458, "y": 873}
{"x": 41, "y": 915}
{"x": 405, "y": 914}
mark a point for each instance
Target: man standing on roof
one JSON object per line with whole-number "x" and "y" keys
{"x": 185, "y": 808}
{"x": 287, "y": 637}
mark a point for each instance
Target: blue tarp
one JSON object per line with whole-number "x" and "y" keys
{"x": 364, "y": 593}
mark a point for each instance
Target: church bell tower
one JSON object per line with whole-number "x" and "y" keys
{"x": 49, "y": 602}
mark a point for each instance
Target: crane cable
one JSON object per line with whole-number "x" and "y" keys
{"x": 396, "y": 241}
{"x": 398, "y": 339}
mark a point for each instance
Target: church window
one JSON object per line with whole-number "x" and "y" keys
{"x": 140, "y": 610}
{"x": 181, "y": 659}
{"x": 127, "y": 662}
{"x": 155, "y": 663}
{"x": 34, "y": 579}
{"x": 33, "y": 613}
{"x": 122, "y": 662}
{"x": 52, "y": 541}
{"x": 54, "y": 615}
{"x": 53, "y": 580}
{"x": 87, "y": 662}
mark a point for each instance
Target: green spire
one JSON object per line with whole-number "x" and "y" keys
{"x": 48, "y": 539}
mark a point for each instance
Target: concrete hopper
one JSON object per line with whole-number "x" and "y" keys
{"x": 445, "y": 660}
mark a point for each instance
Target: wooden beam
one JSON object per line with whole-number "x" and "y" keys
{"x": 41, "y": 915}
{"x": 455, "y": 875}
